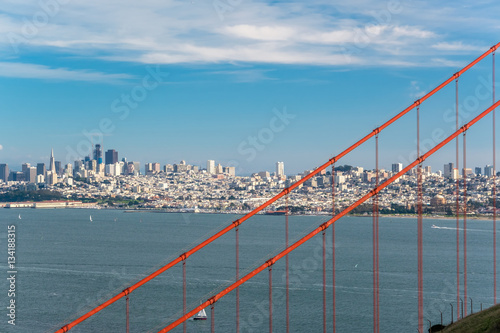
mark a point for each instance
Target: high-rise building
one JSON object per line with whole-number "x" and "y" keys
{"x": 40, "y": 169}
{"x": 231, "y": 171}
{"x": 68, "y": 169}
{"x": 280, "y": 169}
{"x": 52, "y": 162}
{"x": 111, "y": 156}
{"x": 59, "y": 169}
{"x": 448, "y": 170}
{"x": 488, "y": 171}
{"x": 4, "y": 172}
{"x": 30, "y": 175}
{"x": 152, "y": 168}
{"x": 477, "y": 171}
{"x": 218, "y": 169}
{"x": 137, "y": 168}
{"x": 211, "y": 167}
{"x": 264, "y": 174}
{"x": 98, "y": 154}
{"x": 397, "y": 167}
{"x": 25, "y": 167}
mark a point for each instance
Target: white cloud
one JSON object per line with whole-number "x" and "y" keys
{"x": 34, "y": 71}
{"x": 316, "y": 32}
{"x": 1, "y": 147}
{"x": 415, "y": 32}
{"x": 457, "y": 46}
{"x": 267, "y": 33}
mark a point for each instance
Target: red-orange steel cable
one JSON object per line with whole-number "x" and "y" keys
{"x": 237, "y": 277}
{"x": 333, "y": 248}
{"x": 328, "y": 223}
{"x": 457, "y": 206}
{"x": 420, "y": 243}
{"x": 494, "y": 196}
{"x": 287, "y": 190}
{"x": 465, "y": 222}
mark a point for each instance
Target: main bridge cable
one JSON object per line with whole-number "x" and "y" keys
{"x": 328, "y": 223}
{"x": 287, "y": 190}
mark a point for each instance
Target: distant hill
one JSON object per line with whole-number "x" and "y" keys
{"x": 486, "y": 321}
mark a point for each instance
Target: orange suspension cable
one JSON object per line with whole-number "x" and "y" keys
{"x": 328, "y": 223}
{"x": 287, "y": 190}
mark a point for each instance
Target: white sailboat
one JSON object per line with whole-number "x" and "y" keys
{"x": 90, "y": 218}
{"x": 19, "y": 216}
{"x": 201, "y": 315}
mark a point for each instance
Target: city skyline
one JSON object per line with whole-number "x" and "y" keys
{"x": 448, "y": 170}
{"x": 251, "y": 85}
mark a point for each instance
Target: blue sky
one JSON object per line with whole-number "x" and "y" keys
{"x": 246, "y": 83}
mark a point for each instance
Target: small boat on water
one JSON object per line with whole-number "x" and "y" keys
{"x": 19, "y": 216}
{"x": 90, "y": 218}
{"x": 201, "y": 315}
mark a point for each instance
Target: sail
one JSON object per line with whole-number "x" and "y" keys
{"x": 201, "y": 315}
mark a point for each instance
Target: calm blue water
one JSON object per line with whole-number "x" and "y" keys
{"x": 66, "y": 264}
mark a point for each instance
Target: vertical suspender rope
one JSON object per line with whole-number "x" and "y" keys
{"x": 287, "y": 270}
{"x": 465, "y": 221}
{"x": 237, "y": 278}
{"x": 127, "y": 312}
{"x": 376, "y": 316}
{"x": 271, "y": 299}
{"x": 333, "y": 247}
{"x": 420, "y": 269}
{"x": 184, "y": 301}
{"x": 212, "y": 315}
{"x": 494, "y": 196}
{"x": 324, "y": 281}
{"x": 457, "y": 208}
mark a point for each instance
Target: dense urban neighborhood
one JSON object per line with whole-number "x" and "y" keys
{"x": 216, "y": 189}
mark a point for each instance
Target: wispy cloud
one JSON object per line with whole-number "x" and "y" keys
{"x": 457, "y": 46}
{"x": 34, "y": 71}
{"x": 317, "y": 32}
{"x": 246, "y": 75}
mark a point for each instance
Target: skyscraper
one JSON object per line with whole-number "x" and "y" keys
{"x": 40, "y": 169}
{"x": 397, "y": 167}
{"x": 211, "y": 167}
{"x": 488, "y": 171}
{"x": 448, "y": 170}
{"x": 59, "y": 169}
{"x": 98, "y": 154}
{"x": 30, "y": 175}
{"x": 111, "y": 156}
{"x": 4, "y": 172}
{"x": 52, "y": 162}
{"x": 280, "y": 169}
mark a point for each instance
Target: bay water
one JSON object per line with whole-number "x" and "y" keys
{"x": 71, "y": 260}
